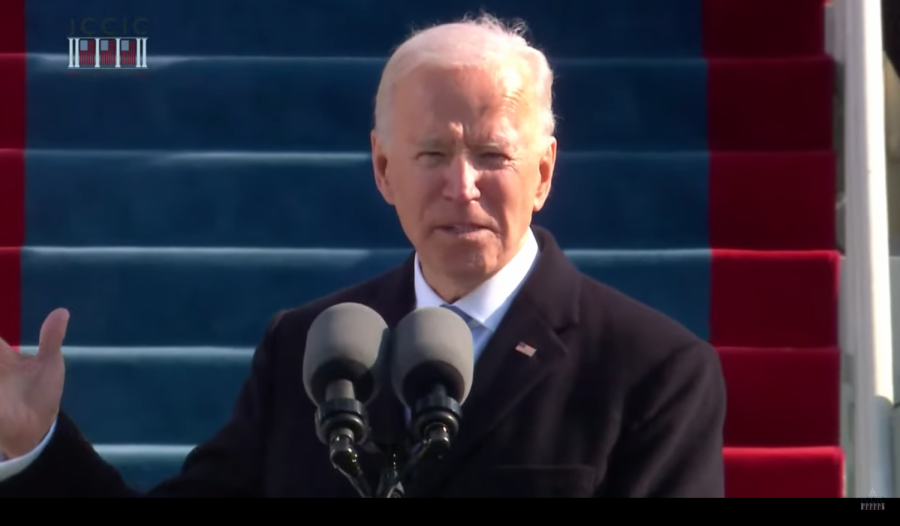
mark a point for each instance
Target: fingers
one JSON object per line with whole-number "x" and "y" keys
{"x": 53, "y": 332}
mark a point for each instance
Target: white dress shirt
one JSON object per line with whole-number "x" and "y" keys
{"x": 11, "y": 468}
{"x": 485, "y": 305}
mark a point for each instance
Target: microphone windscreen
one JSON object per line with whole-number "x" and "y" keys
{"x": 432, "y": 346}
{"x": 345, "y": 342}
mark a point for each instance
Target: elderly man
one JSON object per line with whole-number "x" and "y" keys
{"x": 614, "y": 399}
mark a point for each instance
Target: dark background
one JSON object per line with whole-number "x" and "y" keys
{"x": 890, "y": 15}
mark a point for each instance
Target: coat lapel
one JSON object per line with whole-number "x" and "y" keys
{"x": 521, "y": 354}
{"x": 394, "y": 298}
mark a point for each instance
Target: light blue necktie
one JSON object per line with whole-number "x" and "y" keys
{"x": 466, "y": 318}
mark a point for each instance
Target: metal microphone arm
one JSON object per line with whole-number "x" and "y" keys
{"x": 433, "y": 446}
{"x": 345, "y": 459}
{"x": 341, "y": 424}
{"x": 434, "y": 426}
{"x": 390, "y": 486}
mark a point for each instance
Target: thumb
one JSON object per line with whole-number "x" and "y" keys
{"x": 53, "y": 332}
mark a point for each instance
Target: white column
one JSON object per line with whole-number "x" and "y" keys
{"x": 96, "y": 52}
{"x": 118, "y": 52}
{"x": 137, "y": 52}
{"x": 71, "y": 58}
{"x": 143, "y": 49}
{"x": 866, "y": 324}
{"x": 77, "y": 52}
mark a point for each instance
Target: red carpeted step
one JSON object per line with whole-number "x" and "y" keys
{"x": 772, "y": 201}
{"x": 807, "y": 472}
{"x": 784, "y": 380}
{"x": 770, "y": 105}
{"x": 774, "y": 299}
{"x": 12, "y": 194}
{"x": 12, "y": 137}
{"x": 763, "y": 28}
{"x": 12, "y": 101}
{"x": 12, "y": 163}
{"x": 10, "y": 292}
{"x": 12, "y": 29}
{"x": 782, "y": 397}
{"x": 12, "y": 71}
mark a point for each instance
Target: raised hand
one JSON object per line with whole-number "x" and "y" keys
{"x": 31, "y": 388}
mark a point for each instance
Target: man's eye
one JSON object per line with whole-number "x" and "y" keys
{"x": 492, "y": 159}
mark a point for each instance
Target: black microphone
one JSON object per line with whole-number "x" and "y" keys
{"x": 344, "y": 365}
{"x": 432, "y": 364}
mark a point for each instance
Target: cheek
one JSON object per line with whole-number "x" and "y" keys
{"x": 414, "y": 194}
{"x": 501, "y": 194}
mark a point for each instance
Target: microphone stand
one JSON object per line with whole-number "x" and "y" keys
{"x": 390, "y": 486}
{"x": 433, "y": 446}
{"x": 341, "y": 423}
{"x": 346, "y": 460}
{"x": 435, "y": 424}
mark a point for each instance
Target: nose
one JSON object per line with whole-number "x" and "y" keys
{"x": 461, "y": 180}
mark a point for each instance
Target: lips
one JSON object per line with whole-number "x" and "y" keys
{"x": 462, "y": 229}
{"x": 466, "y": 231}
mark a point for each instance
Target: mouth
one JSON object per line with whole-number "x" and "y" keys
{"x": 462, "y": 229}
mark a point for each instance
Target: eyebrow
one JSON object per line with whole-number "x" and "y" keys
{"x": 432, "y": 143}
{"x": 495, "y": 142}
{"x": 489, "y": 142}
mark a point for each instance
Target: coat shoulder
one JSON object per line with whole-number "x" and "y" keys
{"x": 637, "y": 335}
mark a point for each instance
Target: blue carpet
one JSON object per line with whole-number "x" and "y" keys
{"x": 144, "y": 466}
{"x": 221, "y": 297}
{"x": 368, "y": 28}
{"x": 175, "y": 395}
{"x": 279, "y": 200}
{"x": 326, "y": 104}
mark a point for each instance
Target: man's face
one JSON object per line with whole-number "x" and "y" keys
{"x": 465, "y": 167}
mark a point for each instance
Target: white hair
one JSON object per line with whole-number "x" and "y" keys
{"x": 482, "y": 41}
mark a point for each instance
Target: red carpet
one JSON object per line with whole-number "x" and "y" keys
{"x": 12, "y": 163}
{"x": 774, "y": 303}
{"x": 810, "y": 472}
{"x": 768, "y": 201}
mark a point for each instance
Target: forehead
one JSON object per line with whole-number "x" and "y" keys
{"x": 487, "y": 102}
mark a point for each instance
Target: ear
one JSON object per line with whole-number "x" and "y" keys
{"x": 546, "y": 165}
{"x": 379, "y": 167}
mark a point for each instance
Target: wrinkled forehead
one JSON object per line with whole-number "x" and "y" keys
{"x": 472, "y": 102}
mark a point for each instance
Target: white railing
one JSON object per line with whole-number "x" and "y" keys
{"x": 855, "y": 41}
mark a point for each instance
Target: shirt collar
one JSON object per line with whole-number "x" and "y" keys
{"x": 488, "y": 303}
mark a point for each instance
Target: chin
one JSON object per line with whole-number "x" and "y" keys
{"x": 468, "y": 259}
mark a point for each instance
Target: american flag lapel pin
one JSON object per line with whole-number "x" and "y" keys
{"x": 526, "y": 349}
